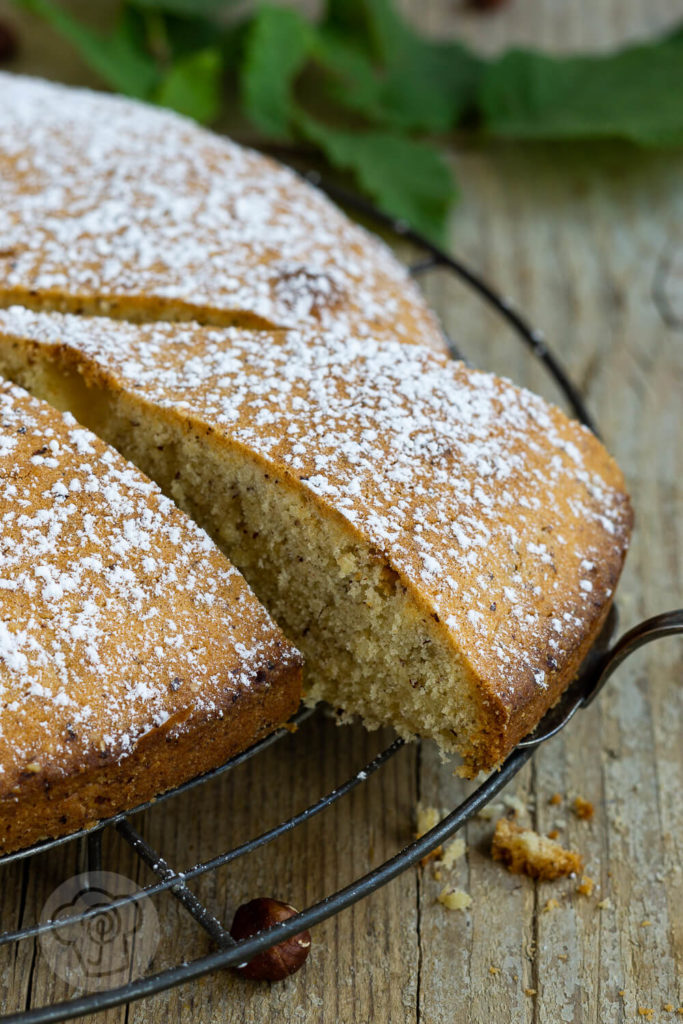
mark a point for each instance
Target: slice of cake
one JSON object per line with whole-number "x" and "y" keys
{"x": 442, "y": 545}
{"x": 133, "y": 656}
{"x": 112, "y": 206}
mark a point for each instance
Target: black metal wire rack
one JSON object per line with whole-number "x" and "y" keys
{"x": 602, "y": 661}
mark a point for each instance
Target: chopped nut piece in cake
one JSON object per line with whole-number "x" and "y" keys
{"x": 524, "y": 851}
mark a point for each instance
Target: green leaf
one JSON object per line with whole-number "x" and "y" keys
{"x": 186, "y": 7}
{"x": 383, "y": 70}
{"x": 408, "y": 179}
{"x": 117, "y": 56}
{"x": 192, "y": 86}
{"x": 635, "y": 94}
{"x": 277, "y": 46}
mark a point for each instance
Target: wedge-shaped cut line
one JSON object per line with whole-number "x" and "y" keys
{"x": 133, "y": 656}
{"x": 112, "y": 207}
{"x": 441, "y": 545}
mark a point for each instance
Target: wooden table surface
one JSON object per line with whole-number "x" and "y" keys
{"x": 577, "y": 236}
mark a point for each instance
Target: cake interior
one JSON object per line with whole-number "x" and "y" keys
{"x": 370, "y": 648}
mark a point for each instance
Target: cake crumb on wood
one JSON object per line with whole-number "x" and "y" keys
{"x": 604, "y": 904}
{"x": 668, "y": 1007}
{"x": 645, "y": 1011}
{"x": 524, "y": 851}
{"x": 555, "y": 799}
{"x": 551, "y": 904}
{"x": 586, "y": 887}
{"x": 427, "y": 818}
{"x": 454, "y": 899}
{"x": 530, "y": 991}
{"x": 453, "y": 852}
{"x": 583, "y": 809}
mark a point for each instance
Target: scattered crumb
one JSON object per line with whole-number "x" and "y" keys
{"x": 586, "y": 887}
{"x": 555, "y": 799}
{"x": 551, "y": 904}
{"x": 668, "y": 1007}
{"x": 437, "y": 875}
{"x": 524, "y": 851}
{"x": 554, "y": 833}
{"x": 622, "y": 991}
{"x": 427, "y": 818}
{"x": 645, "y": 924}
{"x": 496, "y": 970}
{"x": 515, "y": 804}
{"x": 452, "y": 852}
{"x": 529, "y": 991}
{"x": 644, "y": 1011}
{"x": 454, "y": 899}
{"x": 562, "y": 956}
{"x": 291, "y": 727}
{"x": 491, "y": 811}
{"x": 583, "y": 809}
{"x": 432, "y": 855}
{"x": 604, "y": 904}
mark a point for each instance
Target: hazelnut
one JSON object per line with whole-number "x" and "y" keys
{"x": 280, "y": 961}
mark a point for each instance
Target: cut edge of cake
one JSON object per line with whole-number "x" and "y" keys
{"x": 386, "y": 623}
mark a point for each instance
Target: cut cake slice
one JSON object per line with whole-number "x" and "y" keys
{"x": 442, "y": 545}
{"x": 133, "y": 656}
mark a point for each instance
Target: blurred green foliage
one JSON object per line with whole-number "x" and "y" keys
{"x": 370, "y": 94}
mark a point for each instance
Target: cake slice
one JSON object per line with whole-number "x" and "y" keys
{"x": 133, "y": 656}
{"x": 112, "y": 206}
{"x": 442, "y": 545}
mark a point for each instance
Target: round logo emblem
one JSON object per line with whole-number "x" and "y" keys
{"x": 108, "y": 948}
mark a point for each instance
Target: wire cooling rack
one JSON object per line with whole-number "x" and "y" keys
{"x": 602, "y": 661}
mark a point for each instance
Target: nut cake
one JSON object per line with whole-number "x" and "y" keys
{"x": 133, "y": 656}
{"x": 112, "y": 206}
{"x": 442, "y": 545}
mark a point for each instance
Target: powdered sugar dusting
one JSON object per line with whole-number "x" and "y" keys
{"x": 103, "y": 197}
{"x": 506, "y": 519}
{"x": 117, "y": 611}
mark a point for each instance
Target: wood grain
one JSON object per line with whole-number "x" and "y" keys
{"x": 574, "y": 235}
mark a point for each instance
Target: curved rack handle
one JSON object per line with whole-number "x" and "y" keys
{"x": 586, "y": 689}
{"x": 666, "y": 624}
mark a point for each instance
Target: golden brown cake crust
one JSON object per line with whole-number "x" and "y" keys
{"x": 116, "y": 207}
{"x": 132, "y": 654}
{"x": 507, "y": 522}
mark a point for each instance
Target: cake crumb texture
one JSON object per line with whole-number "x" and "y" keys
{"x": 524, "y": 851}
